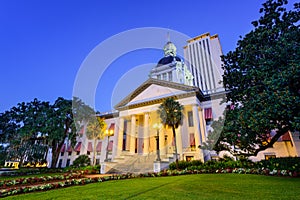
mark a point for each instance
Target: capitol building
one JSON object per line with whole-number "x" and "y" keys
{"x": 138, "y": 142}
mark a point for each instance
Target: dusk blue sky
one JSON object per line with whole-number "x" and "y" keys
{"x": 43, "y": 43}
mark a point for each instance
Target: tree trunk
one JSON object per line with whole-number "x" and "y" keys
{"x": 21, "y": 162}
{"x": 94, "y": 152}
{"x": 55, "y": 154}
{"x": 54, "y": 158}
{"x": 22, "y": 157}
{"x": 274, "y": 139}
{"x": 176, "y": 156}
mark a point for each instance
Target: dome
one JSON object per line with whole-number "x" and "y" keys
{"x": 170, "y": 49}
{"x": 169, "y": 55}
{"x": 168, "y": 60}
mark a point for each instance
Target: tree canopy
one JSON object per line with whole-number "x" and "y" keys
{"x": 23, "y": 129}
{"x": 95, "y": 131}
{"x": 30, "y": 129}
{"x": 262, "y": 77}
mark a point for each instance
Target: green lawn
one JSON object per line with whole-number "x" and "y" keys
{"x": 202, "y": 186}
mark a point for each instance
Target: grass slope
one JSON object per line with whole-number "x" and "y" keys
{"x": 202, "y": 186}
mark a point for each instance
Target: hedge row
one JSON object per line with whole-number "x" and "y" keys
{"x": 288, "y": 163}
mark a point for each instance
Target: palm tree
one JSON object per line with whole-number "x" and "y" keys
{"x": 95, "y": 131}
{"x": 170, "y": 113}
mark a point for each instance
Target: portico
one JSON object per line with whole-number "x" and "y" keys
{"x": 138, "y": 114}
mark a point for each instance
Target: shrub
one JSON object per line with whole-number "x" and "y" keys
{"x": 82, "y": 161}
{"x": 225, "y": 163}
{"x": 286, "y": 163}
{"x": 185, "y": 164}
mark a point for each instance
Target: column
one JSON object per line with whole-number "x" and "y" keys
{"x": 120, "y": 135}
{"x": 203, "y": 133}
{"x": 198, "y": 139}
{"x": 132, "y": 134}
{"x": 146, "y": 133}
{"x": 202, "y": 126}
{"x": 162, "y": 146}
{"x": 179, "y": 142}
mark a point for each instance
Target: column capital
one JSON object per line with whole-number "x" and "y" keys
{"x": 198, "y": 106}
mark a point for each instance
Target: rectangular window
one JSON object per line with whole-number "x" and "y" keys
{"x": 88, "y": 153}
{"x": 62, "y": 154}
{"x": 110, "y": 146}
{"x": 208, "y": 116}
{"x": 164, "y": 76}
{"x": 97, "y": 161}
{"x": 208, "y": 122}
{"x": 192, "y": 142}
{"x": 158, "y": 76}
{"x": 267, "y": 157}
{"x": 70, "y": 153}
{"x": 189, "y": 158}
{"x": 78, "y": 153}
{"x": 190, "y": 119}
{"x": 68, "y": 163}
{"x": 59, "y": 163}
{"x": 170, "y": 76}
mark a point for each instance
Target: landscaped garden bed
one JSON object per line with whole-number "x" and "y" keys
{"x": 273, "y": 167}
{"x": 37, "y": 180}
{"x": 289, "y": 166}
{"x": 37, "y": 171}
{"x": 197, "y": 186}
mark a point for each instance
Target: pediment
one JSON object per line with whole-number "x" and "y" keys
{"x": 153, "y": 90}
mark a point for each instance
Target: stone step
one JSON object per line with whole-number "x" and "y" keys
{"x": 134, "y": 163}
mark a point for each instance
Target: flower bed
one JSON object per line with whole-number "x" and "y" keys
{"x": 37, "y": 180}
{"x": 32, "y": 171}
{"x": 44, "y": 187}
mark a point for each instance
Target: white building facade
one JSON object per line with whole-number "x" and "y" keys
{"x": 136, "y": 144}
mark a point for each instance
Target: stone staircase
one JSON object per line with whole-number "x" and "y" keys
{"x": 134, "y": 163}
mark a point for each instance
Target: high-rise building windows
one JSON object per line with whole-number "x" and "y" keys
{"x": 204, "y": 55}
{"x": 207, "y": 46}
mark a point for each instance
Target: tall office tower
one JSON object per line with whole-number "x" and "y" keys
{"x": 202, "y": 54}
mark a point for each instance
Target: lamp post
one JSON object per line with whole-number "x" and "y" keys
{"x": 157, "y": 126}
{"x": 108, "y": 133}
